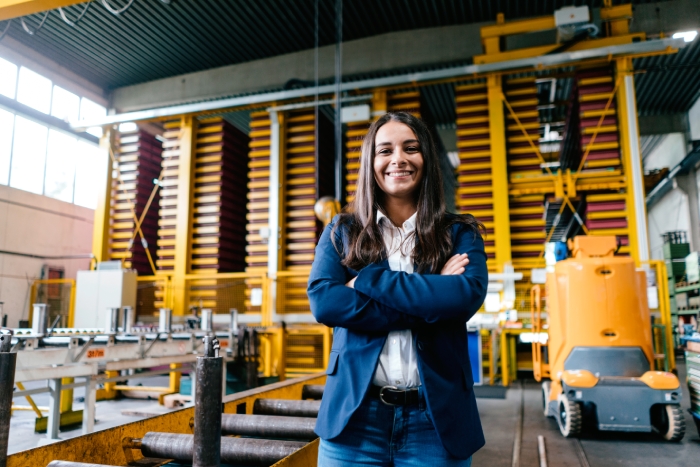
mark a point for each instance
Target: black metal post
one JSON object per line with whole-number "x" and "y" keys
{"x": 207, "y": 406}
{"x": 8, "y": 361}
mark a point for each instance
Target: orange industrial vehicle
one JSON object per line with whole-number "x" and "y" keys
{"x": 599, "y": 352}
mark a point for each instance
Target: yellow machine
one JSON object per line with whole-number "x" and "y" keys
{"x": 600, "y": 352}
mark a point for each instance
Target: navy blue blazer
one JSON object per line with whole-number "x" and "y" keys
{"x": 434, "y": 307}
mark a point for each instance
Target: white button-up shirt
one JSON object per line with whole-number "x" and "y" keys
{"x": 398, "y": 362}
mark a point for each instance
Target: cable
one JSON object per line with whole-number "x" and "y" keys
{"x": 73, "y": 23}
{"x": 338, "y": 79}
{"x": 29, "y": 31}
{"x": 7, "y": 28}
{"x": 120, "y": 10}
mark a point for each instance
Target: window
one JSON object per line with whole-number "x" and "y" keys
{"x": 65, "y": 105}
{"x": 28, "y": 156}
{"x": 34, "y": 90}
{"x": 60, "y": 166}
{"x": 91, "y": 168}
{"x": 89, "y": 109}
{"x": 7, "y": 123}
{"x": 8, "y": 78}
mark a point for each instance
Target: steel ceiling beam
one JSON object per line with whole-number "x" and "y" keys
{"x": 565, "y": 58}
{"x": 10, "y": 9}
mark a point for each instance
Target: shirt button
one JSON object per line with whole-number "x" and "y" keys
{"x": 398, "y": 382}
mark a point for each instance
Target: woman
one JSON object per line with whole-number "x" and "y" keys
{"x": 399, "y": 385}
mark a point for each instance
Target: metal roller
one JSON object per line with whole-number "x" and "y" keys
{"x": 207, "y": 406}
{"x": 290, "y": 408}
{"x": 75, "y": 464}
{"x": 312, "y": 391}
{"x": 8, "y": 362}
{"x": 246, "y": 451}
{"x": 269, "y": 426}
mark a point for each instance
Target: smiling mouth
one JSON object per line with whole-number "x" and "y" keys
{"x": 404, "y": 173}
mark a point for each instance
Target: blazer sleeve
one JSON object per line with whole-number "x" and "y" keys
{"x": 433, "y": 297}
{"x": 336, "y": 305}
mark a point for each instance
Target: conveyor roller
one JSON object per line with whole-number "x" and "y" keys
{"x": 291, "y": 408}
{"x": 246, "y": 451}
{"x": 269, "y": 426}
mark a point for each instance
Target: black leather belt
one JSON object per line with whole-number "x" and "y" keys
{"x": 390, "y": 395}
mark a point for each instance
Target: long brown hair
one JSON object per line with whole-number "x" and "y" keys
{"x": 433, "y": 236}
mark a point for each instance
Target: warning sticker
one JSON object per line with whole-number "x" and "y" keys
{"x": 95, "y": 353}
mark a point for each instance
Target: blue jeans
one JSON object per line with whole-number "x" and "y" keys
{"x": 381, "y": 435}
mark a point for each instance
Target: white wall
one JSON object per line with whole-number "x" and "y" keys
{"x": 668, "y": 214}
{"x": 671, "y": 212}
{"x": 694, "y": 120}
{"x": 37, "y": 225}
{"x": 668, "y": 153}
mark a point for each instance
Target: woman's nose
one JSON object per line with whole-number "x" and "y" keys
{"x": 398, "y": 157}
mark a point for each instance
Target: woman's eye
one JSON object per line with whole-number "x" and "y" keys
{"x": 412, "y": 149}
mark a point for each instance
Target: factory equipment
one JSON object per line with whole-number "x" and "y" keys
{"x": 195, "y": 434}
{"x": 599, "y": 356}
{"x": 100, "y": 290}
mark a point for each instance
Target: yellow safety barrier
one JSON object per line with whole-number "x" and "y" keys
{"x": 664, "y": 342}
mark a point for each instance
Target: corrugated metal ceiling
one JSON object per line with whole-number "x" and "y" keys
{"x": 153, "y": 40}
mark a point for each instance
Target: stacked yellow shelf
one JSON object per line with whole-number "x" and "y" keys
{"x": 139, "y": 157}
{"x": 405, "y": 102}
{"x": 606, "y": 214}
{"x": 258, "y": 185}
{"x": 168, "y": 197}
{"x": 354, "y": 134}
{"x": 301, "y": 226}
{"x": 475, "y": 189}
{"x": 523, "y": 161}
{"x": 218, "y": 237}
{"x": 594, "y": 90}
{"x": 527, "y": 213}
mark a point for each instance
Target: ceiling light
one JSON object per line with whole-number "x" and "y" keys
{"x": 687, "y": 36}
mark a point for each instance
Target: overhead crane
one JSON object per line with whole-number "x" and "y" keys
{"x": 507, "y": 176}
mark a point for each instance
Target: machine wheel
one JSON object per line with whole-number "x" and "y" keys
{"x": 668, "y": 420}
{"x": 569, "y": 417}
{"x": 545, "y": 398}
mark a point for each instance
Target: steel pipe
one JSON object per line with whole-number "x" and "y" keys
{"x": 207, "y": 406}
{"x": 207, "y": 320}
{"x": 268, "y": 426}
{"x": 246, "y": 451}
{"x": 113, "y": 320}
{"x": 165, "y": 320}
{"x": 40, "y": 319}
{"x": 312, "y": 391}
{"x": 285, "y": 407}
{"x": 8, "y": 362}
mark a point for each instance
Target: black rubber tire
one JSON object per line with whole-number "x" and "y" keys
{"x": 668, "y": 420}
{"x": 569, "y": 417}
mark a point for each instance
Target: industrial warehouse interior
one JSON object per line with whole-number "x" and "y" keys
{"x": 168, "y": 168}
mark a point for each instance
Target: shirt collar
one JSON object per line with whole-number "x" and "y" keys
{"x": 408, "y": 226}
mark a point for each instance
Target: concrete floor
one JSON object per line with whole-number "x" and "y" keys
{"x": 499, "y": 418}
{"x": 602, "y": 449}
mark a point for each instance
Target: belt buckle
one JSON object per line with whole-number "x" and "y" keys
{"x": 381, "y": 395}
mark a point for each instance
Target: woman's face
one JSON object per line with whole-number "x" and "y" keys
{"x": 398, "y": 161}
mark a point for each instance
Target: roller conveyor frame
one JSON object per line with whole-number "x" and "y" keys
{"x": 101, "y": 449}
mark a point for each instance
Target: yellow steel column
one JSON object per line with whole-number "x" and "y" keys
{"x": 499, "y": 171}
{"x": 185, "y": 200}
{"x": 100, "y": 232}
{"x": 632, "y": 162}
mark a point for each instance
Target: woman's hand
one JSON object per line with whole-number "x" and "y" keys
{"x": 455, "y": 265}
{"x": 351, "y": 283}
